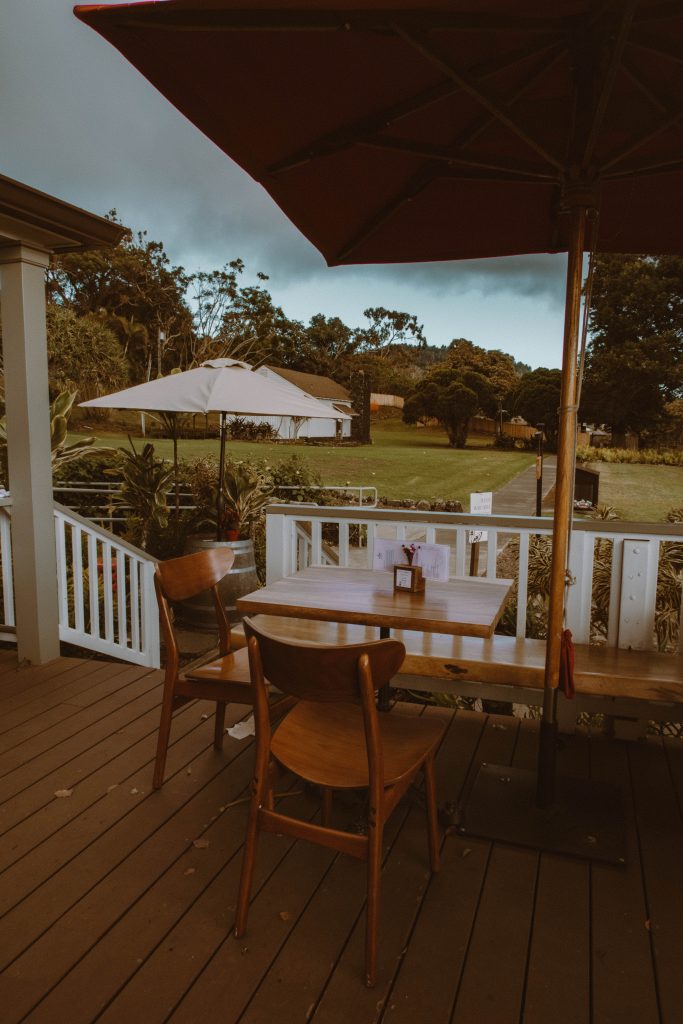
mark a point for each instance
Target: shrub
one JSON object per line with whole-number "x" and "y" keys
{"x": 642, "y": 456}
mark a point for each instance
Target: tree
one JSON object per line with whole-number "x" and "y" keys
{"x": 498, "y": 367}
{"x": 537, "y": 398}
{"x": 387, "y": 328}
{"x": 634, "y": 363}
{"x": 136, "y": 281}
{"x": 84, "y": 355}
{"x": 452, "y": 397}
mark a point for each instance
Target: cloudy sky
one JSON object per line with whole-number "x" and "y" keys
{"x": 80, "y": 123}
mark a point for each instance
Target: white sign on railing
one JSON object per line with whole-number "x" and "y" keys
{"x": 481, "y": 504}
{"x": 432, "y": 558}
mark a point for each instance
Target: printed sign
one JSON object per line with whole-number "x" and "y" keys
{"x": 481, "y": 504}
{"x": 433, "y": 558}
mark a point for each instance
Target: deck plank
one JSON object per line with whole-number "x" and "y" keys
{"x": 108, "y": 912}
{"x": 558, "y": 982}
{"x": 624, "y": 984}
{"x": 660, "y": 832}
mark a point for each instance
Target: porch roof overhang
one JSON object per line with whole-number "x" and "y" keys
{"x": 33, "y": 218}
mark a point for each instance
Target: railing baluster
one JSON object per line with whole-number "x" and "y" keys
{"x": 316, "y": 542}
{"x": 7, "y": 574}
{"x": 108, "y": 578}
{"x": 134, "y": 604}
{"x": 344, "y": 542}
{"x": 492, "y": 554}
{"x": 77, "y": 575}
{"x": 460, "y": 550}
{"x": 121, "y": 594}
{"x": 523, "y": 584}
{"x": 93, "y": 586}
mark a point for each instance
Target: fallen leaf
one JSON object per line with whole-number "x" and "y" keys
{"x": 189, "y": 771}
{"x": 189, "y": 871}
{"x": 284, "y": 915}
{"x": 134, "y": 791}
{"x": 114, "y": 786}
{"x": 204, "y": 718}
{"x": 466, "y": 852}
{"x": 648, "y": 924}
{"x": 497, "y": 725}
{"x": 63, "y": 792}
{"x": 200, "y": 844}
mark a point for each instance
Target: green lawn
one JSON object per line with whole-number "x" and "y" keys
{"x": 640, "y": 493}
{"x": 402, "y": 462}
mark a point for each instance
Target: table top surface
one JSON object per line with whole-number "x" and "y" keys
{"x": 464, "y": 606}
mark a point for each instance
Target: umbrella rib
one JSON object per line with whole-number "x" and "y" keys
{"x": 670, "y": 121}
{"x": 415, "y": 185}
{"x": 482, "y": 122}
{"x": 359, "y": 130}
{"x": 447, "y": 155}
{"x": 656, "y": 167}
{"x": 636, "y": 77}
{"x": 608, "y": 81}
{"x": 658, "y": 46}
{"x": 473, "y": 87}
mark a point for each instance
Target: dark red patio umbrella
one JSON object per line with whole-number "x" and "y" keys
{"x": 406, "y": 131}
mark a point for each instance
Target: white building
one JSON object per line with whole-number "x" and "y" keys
{"x": 324, "y": 390}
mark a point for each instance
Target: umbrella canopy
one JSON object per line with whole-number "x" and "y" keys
{"x": 417, "y": 130}
{"x": 410, "y": 130}
{"x": 226, "y": 386}
{"x": 218, "y": 385}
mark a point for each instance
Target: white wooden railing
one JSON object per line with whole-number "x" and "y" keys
{"x": 299, "y": 536}
{"x": 105, "y": 586}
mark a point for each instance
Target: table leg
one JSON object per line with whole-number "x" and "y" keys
{"x": 384, "y": 692}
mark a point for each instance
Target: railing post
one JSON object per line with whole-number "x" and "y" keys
{"x": 277, "y": 546}
{"x": 638, "y": 594}
{"x": 149, "y": 610}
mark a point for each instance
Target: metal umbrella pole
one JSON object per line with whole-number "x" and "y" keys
{"x": 220, "y": 499}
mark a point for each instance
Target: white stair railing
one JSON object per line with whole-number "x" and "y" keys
{"x": 106, "y": 592}
{"x": 105, "y": 588}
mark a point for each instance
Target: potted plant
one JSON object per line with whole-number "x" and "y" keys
{"x": 245, "y": 496}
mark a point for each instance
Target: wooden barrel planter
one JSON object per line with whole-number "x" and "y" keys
{"x": 242, "y": 579}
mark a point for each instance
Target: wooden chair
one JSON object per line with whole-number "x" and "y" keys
{"x": 226, "y": 679}
{"x": 335, "y": 738}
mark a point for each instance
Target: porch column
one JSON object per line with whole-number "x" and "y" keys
{"x": 24, "y": 342}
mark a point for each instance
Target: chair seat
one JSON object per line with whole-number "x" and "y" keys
{"x": 325, "y": 744}
{"x": 231, "y": 668}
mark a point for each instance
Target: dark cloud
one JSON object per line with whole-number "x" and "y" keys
{"x": 80, "y": 123}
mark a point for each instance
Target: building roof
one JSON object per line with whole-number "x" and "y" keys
{"x": 35, "y": 218}
{"x": 312, "y": 384}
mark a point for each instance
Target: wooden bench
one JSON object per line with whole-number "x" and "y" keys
{"x": 632, "y": 686}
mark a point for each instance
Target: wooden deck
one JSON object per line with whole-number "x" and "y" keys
{"x": 117, "y": 902}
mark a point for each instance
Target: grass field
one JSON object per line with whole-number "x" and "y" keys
{"x": 640, "y": 493}
{"x": 402, "y": 462}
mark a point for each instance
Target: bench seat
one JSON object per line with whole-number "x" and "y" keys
{"x": 503, "y": 660}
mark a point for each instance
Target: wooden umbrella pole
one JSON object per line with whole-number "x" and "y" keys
{"x": 547, "y": 753}
{"x": 220, "y": 500}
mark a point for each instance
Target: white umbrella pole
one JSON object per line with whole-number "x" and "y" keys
{"x": 220, "y": 500}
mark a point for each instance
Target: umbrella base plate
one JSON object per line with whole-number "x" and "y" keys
{"x": 585, "y": 820}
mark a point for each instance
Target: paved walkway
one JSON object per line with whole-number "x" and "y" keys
{"x": 518, "y": 496}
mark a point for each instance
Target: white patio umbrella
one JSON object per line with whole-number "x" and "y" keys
{"x": 225, "y": 386}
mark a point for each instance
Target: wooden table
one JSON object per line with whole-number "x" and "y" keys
{"x": 463, "y": 606}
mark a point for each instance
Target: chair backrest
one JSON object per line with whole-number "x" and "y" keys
{"x": 189, "y": 575}
{"x": 181, "y": 578}
{"x": 322, "y": 672}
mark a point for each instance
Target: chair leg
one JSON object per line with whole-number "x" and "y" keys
{"x": 432, "y": 814}
{"x": 327, "y": 805}
{"x": 162, "y": 740}
{"x": 372, "y": 921}
{"x": 219, "y": 726}
{"x": 248, "y": 861}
